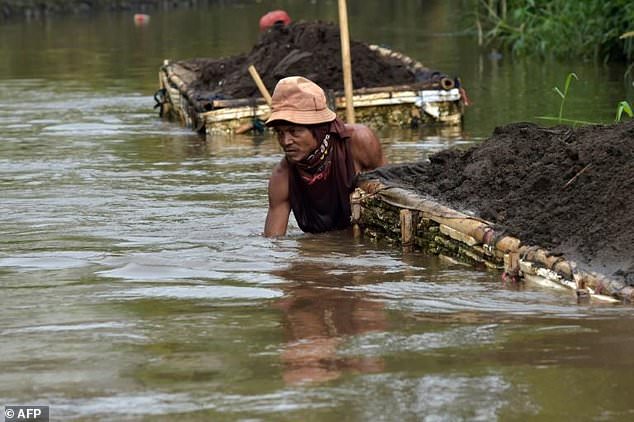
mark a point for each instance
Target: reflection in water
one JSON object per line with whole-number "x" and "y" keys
{"x": 319, "y": 316}
{"x": 316, "y": 322}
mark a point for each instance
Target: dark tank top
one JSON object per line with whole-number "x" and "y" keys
{"x": 324, "y": 203}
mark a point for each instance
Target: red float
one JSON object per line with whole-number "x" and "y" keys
{"x": 141, "y": 19}
{"x": 273, "y": 17}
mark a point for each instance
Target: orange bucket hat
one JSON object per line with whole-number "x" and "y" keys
{"x": 301, "y": 101}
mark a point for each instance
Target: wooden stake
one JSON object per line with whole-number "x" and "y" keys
{"x": 258, "y": 81}
{"x": 355, "y": 208}
{"x": 345, "y": 60}
{"x": 407, "y": 230}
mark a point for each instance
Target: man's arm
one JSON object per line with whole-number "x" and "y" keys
{"x": 279, "y": 202}
{"x": 366, "y": 149}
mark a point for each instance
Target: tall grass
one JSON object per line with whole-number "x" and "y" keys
{"x": 591, "y": 29}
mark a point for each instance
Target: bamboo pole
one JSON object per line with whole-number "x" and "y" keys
{"x": 258, "y": 81}
{"x": 345, "y": 60}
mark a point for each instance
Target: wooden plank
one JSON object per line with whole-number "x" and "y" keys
{"x": 224, "y": 114}
{"x": 240, "y": 102}
{"x": 415, "y": 87}
{"x": 407, "y": 229}
{"x": 375, "y": 102}
{"x": 360, "y": 96}
{"x": 457, "y": 235}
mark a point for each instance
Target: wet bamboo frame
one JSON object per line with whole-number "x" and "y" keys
{"x": 414, "y": 222}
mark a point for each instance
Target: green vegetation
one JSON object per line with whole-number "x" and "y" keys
{"x": 564, "y": 94}
{"x": 624, "y": 107}
{"x": 590, "y": 29}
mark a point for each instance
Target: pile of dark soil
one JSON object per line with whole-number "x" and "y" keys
{"x": 568, "y": 190}
{"x": 309, "y": 49}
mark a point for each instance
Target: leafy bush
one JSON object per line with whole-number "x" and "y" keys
{"x": 591, "y": 29}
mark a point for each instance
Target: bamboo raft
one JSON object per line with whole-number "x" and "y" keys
{"x": 422, "y": 103}
{"x": 417, "y": 223}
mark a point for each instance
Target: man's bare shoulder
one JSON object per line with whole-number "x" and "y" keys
{"x": 280, "y": 169}
{"x": 365, "y": 147}
{"x": 361, "y": 133}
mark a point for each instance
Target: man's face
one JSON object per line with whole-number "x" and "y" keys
{"x": 297, "y": 141}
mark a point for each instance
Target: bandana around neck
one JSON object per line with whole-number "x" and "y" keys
{"x": 317, "y": 164}
{"x": 318, "y": 161}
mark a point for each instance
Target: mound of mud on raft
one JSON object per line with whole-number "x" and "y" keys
{"x": 390, "y": 88}
{"x": 554, "y": 203}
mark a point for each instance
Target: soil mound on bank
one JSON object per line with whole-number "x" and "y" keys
{"x": 309, "y": 49}
{"x": 568, "y": 190}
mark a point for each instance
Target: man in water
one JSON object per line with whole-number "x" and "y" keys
{"x": 322, "y": 157}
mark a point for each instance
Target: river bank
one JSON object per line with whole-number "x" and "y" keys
{"x": 31, "y": 9}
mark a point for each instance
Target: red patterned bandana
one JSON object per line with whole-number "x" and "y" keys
{"x": 317, "y": 164}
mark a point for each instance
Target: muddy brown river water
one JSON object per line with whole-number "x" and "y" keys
{"x": 135, "y": 283}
